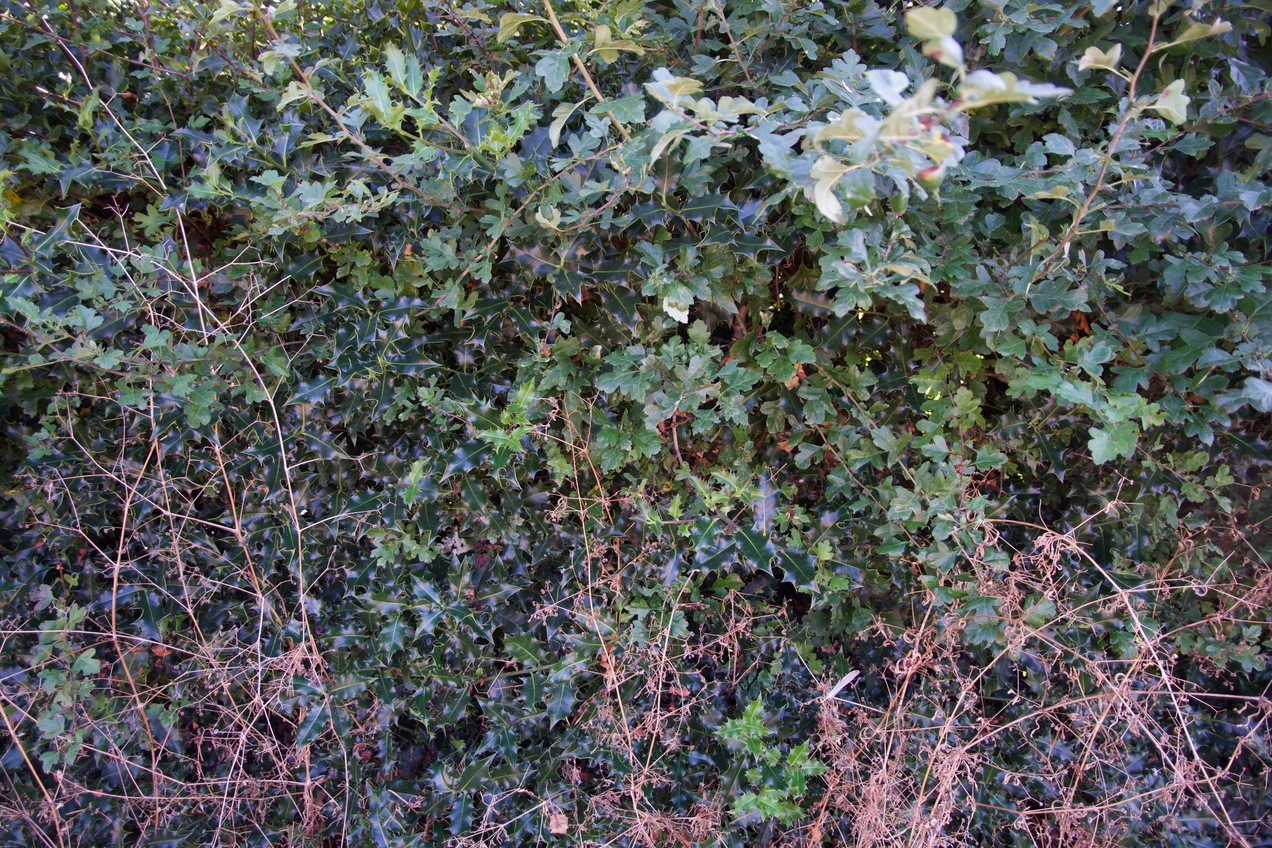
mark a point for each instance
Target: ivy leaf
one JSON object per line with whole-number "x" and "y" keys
{"x": 1172, "y": 104}
{"x": 554, "y": 68}
{"x": 1259, "y": 392}
{"x": 928, "y": 24}
{"x": 1118, "y": 440}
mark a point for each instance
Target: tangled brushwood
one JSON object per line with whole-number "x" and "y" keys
{"x": 623, "y": 423}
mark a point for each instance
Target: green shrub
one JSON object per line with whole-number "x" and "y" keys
{"x": 622, "y": 423}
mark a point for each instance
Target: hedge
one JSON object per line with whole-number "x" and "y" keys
{"x": 606, "y": 422}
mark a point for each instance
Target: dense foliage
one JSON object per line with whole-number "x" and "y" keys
{"x": 600, "y": 422}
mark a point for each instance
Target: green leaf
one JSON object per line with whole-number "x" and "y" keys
{"x": 1117, "y": 440}
{"x": 312, "y": 725}
{"x": 561, "y": 694}
{"x": 928, "y": 24}
{"x": 395, "y": 61}
{"x": 756, "y": 548}
{"x": 378, "y": 92}
{"x": 1040, "y": 612}
{"x": 510, "y": 22}
{"x": 1259, "y": 393}
{"x": 799, "y": 568}
{"x": 553, "y": 70}
{"x": 86, "y": 664}
{"x": 312, "y": 391}
{"x": 626, "y": 110}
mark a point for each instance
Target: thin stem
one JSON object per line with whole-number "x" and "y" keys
{"x": 587, "y": 78}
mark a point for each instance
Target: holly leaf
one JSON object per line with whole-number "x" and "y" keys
{"x": 799, "y": 569}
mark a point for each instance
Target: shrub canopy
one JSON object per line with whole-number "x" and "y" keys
{"x": 624, "y": 423}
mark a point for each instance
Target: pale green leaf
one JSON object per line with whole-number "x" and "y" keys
{"x": 295, "y": 91}
{"x": 561, "y": 115}
{"x": 1194, "y": 31}
{"x": 671, "y": 89}
{"x": 852, "y": 126}
{"x": 1172, "y": 104}
{"x": 984, "y": 88}
{"x": 1094, "y": 57}
{"x": 889, "y": 85}
{"x": 930, "y": 24}
{"x": 946, "y": 50}
{"x": 827, "y": 172}
{"x": 395, "y": 61}
{"x": 666, "y": 142}
{"x": 226, "y": 9}
{"x": 1259, "y": 392}
{"x": 676, "y": 308}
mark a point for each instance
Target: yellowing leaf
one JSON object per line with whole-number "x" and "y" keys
{"x": 944, "y": 50}
{"x": 930, "y": 24}
{"x": 670, "y": 89}
{"x": 607, "y": 48}
{"x": 852, "y": 126}
{"x": 1094, "y": 57}
{"x": 1195, "y": 31}
{"x": 826, "y": 171}
{"x": 983, "y": 88}
{"x": 560, "y": 115}
{"x": 1172, "y": 104}
{"x": 226, "y": 9}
